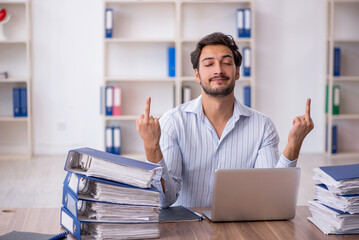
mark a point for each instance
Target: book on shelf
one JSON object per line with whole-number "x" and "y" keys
{"x": 247, "y": 61}
{"x": 336, "y": 62}
{"x": 89, "y": 230}
{"x": 335, "y": 208}
{"x": 247, "y": 96}
{"x": 240, "y": 23}
{"x": 95, "y": 163}
{"x": 171, "y": 61}
{"x": 335, "y": 100}
{"x": 98, "y": 189}
{"x": 108, "y": 22}
{"x": 247, "y": 22}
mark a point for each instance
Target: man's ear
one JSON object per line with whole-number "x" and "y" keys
{"x": 237, "y": 73}
{"x": 196, "y": 74}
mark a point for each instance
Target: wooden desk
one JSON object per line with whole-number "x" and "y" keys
{"x": 47, "y": 220}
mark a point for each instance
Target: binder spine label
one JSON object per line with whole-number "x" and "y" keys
{"x": 67, "y": 221}
{"x": 109, "y": 22}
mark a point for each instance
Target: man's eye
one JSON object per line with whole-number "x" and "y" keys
{"x": 227, "y": 63}
{"x": 207, "y": 64}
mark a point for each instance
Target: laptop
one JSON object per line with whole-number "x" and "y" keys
{"x": 254, "y": 194}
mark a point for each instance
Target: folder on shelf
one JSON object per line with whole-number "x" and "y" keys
{"x": 16, "y": 102}
{"x": 79, "y": 228}
{"x": 247, "y": 62}
{"x": 171, "y": 61}
{"x": 117, "y": 101}
{"x": 334, "y": 139}
{"x": 23, "y": 102}
{"x": 95, "y": 163}
{"x": 336, "y": 61}
{"x": 96, "y": 211}
{"x": 247, "y": 22}
{"x": 336, "y": 100}
{"x": 109, "y": 100}
{"x": 240, "y": 23}
{"x": 108, "y": 139}
{"x": 116, "y": 140}
{"x": 247, "y": 95}
{"x": 108, "y": 22}
{"x": 98, "y": 189}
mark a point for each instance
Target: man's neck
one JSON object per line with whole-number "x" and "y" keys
{"x": 218, "y": 110}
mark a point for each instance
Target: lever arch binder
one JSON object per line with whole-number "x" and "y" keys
{"x": 84, "y": 229}
{"x": 95, "y": 163}
{"x": 97, "y": 189}
{"x": 96, "y": 211}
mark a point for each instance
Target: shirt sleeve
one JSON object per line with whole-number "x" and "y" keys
{"x": 171, "y": 164}
{"x": 268, "y": 156}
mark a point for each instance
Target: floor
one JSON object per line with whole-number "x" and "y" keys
{"x": 38, "y": 182}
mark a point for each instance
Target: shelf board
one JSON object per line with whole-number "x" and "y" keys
{"x": 13, "y": 80}
{"x": 137, "y": 40}
{"x": 346, "y": 79}
{"x": 353, "y": 154}
{"x": 343, "y": 40}
{"x": 216, "y": 1}
{"x": 14, "y": 119}
{"x": 15, "y": 156}
{"x": 127, "y": 117}
{"x": 140, "y": 79}
{"x": 140, "y": 1}
{"x": 346, "y": 117}
{"x": 13, "y": 41}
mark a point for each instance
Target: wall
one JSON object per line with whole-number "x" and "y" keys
{"x": 67, "y": 70}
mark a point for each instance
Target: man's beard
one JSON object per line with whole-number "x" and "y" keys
{"x": 218, "y": 92}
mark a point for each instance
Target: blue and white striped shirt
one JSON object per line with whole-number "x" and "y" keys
{"x": 192, "y": 150}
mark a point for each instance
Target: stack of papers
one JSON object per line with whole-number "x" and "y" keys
{"x": 106, "y": 196}
{"x": 335, "y": 209}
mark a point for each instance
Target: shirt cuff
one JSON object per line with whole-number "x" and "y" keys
{"x": 156, "y": 182}
{"x": 285, "y": 162}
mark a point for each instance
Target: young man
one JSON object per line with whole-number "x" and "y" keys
{"x": 214, "y": 130}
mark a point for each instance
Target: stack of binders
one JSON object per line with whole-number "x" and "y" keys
{"x": 109, "y": 197}
{"x": 335, "y": 209}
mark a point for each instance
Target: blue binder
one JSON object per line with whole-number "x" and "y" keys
{"x": 16, "y": 102}
{"x": 109, "y": 139}
{"x": 247, "y": 22}
{"x": 116, "y": 140}
{"x": 77, "y": 184}
{"x": 76, "y": 226}
{"x": 247, "y": 96}
{"x": 342, "y": 172}
{"x": 240, "y": 23}
{"x": 247, "y": 61}
{"x": 23, "y": 102}
{"x": 108, "y": 22}
{"x": 109, "y": 100}
{"x": 171, "y": 61}
{"x": 86, "y": 156}
{"x": 334, "y": 139}
{"x": 336, "y": 61}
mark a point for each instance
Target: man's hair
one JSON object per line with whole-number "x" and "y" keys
{"x": 216, "y": 38}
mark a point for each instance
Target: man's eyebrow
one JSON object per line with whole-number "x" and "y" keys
{"x": 211, "y": 58}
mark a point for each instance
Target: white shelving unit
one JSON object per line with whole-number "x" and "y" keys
{"x": 15, "y": 59}
{"x": 135, "y": 58}
{"x": 342, "y": 32}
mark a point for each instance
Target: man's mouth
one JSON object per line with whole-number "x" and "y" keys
{"x": 219, "y": 78}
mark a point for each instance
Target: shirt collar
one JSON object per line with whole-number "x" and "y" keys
{"x": 196, "y": 108}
